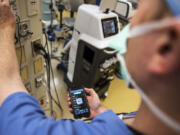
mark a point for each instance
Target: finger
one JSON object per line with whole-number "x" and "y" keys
{"x": 89, "y": 98}
{"x": 71, "y": 110}
{"x": 69, "y": 99}
{"x": 69, "y": 103}
{"x": 89, "y": 91}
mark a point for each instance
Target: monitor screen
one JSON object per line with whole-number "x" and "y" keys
{"x": 109, "y": 27}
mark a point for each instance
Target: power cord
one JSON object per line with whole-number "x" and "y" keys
{"x": 46, "y": 54}
{"x": 19, "y": 40}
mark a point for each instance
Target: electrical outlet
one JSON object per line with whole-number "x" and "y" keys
{"x": 34, "y": 54}
{"x": 38, "y": 81}
{"x": 24, "y": 28}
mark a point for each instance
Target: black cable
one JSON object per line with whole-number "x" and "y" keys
{"x": 49, "y": 77}
{"x": 51, "y": 50}
{"x": 48, "y": 53}
{"x": 19, "y": 40}
{"x": 49, "y": 92}
{"x": 54, "y": 81}
{"x": 51, "y": 29}
{"x": 51, "y": 97}
{"x": 50, "y": 70}
{"x": 51, "y": 9}
{"x": 55, "y": 87}
{"x": 48, "y": 82}
{"x": 49, "y": 88}
{"x": 42, "y": 51}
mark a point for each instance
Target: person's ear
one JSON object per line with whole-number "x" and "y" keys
{"x": 166, "y": 52}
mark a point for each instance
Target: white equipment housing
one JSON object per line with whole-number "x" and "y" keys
{"x": 93, "y": 26}
{"x": 125, "y": 9}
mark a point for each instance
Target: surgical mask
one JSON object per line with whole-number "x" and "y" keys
{"x": 120, "y": 43}
{"x": 135, "y": 32}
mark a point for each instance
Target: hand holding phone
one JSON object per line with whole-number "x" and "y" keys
{"x": 94, "y": 103}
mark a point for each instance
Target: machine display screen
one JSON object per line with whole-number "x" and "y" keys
{"x": 109, "y": 27}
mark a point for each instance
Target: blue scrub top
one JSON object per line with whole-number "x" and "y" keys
{"x": 20, "y": 114}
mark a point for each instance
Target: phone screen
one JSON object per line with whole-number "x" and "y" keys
{"x": 79, "y": 103}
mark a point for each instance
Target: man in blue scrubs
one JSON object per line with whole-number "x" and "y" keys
{"x": 152, "y": 66}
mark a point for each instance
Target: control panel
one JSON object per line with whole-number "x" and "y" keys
{"x": 29, "y": 30}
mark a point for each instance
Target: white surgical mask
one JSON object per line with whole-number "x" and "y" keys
{"x": 139, "y": 31}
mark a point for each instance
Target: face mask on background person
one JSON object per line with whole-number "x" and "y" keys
{"x": 120, "y": 44}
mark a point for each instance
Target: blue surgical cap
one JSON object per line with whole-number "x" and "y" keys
{"x": 174, "y": 6}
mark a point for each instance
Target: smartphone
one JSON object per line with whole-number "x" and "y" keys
{"x": 80, "y": 104}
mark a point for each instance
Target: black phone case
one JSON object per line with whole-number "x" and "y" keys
{"x": 85, "y": 105}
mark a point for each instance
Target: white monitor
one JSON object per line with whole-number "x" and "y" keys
{"x": 108, "y": 4}
{"x": 123, "y": 8}
{"x": 72, "y": 5}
